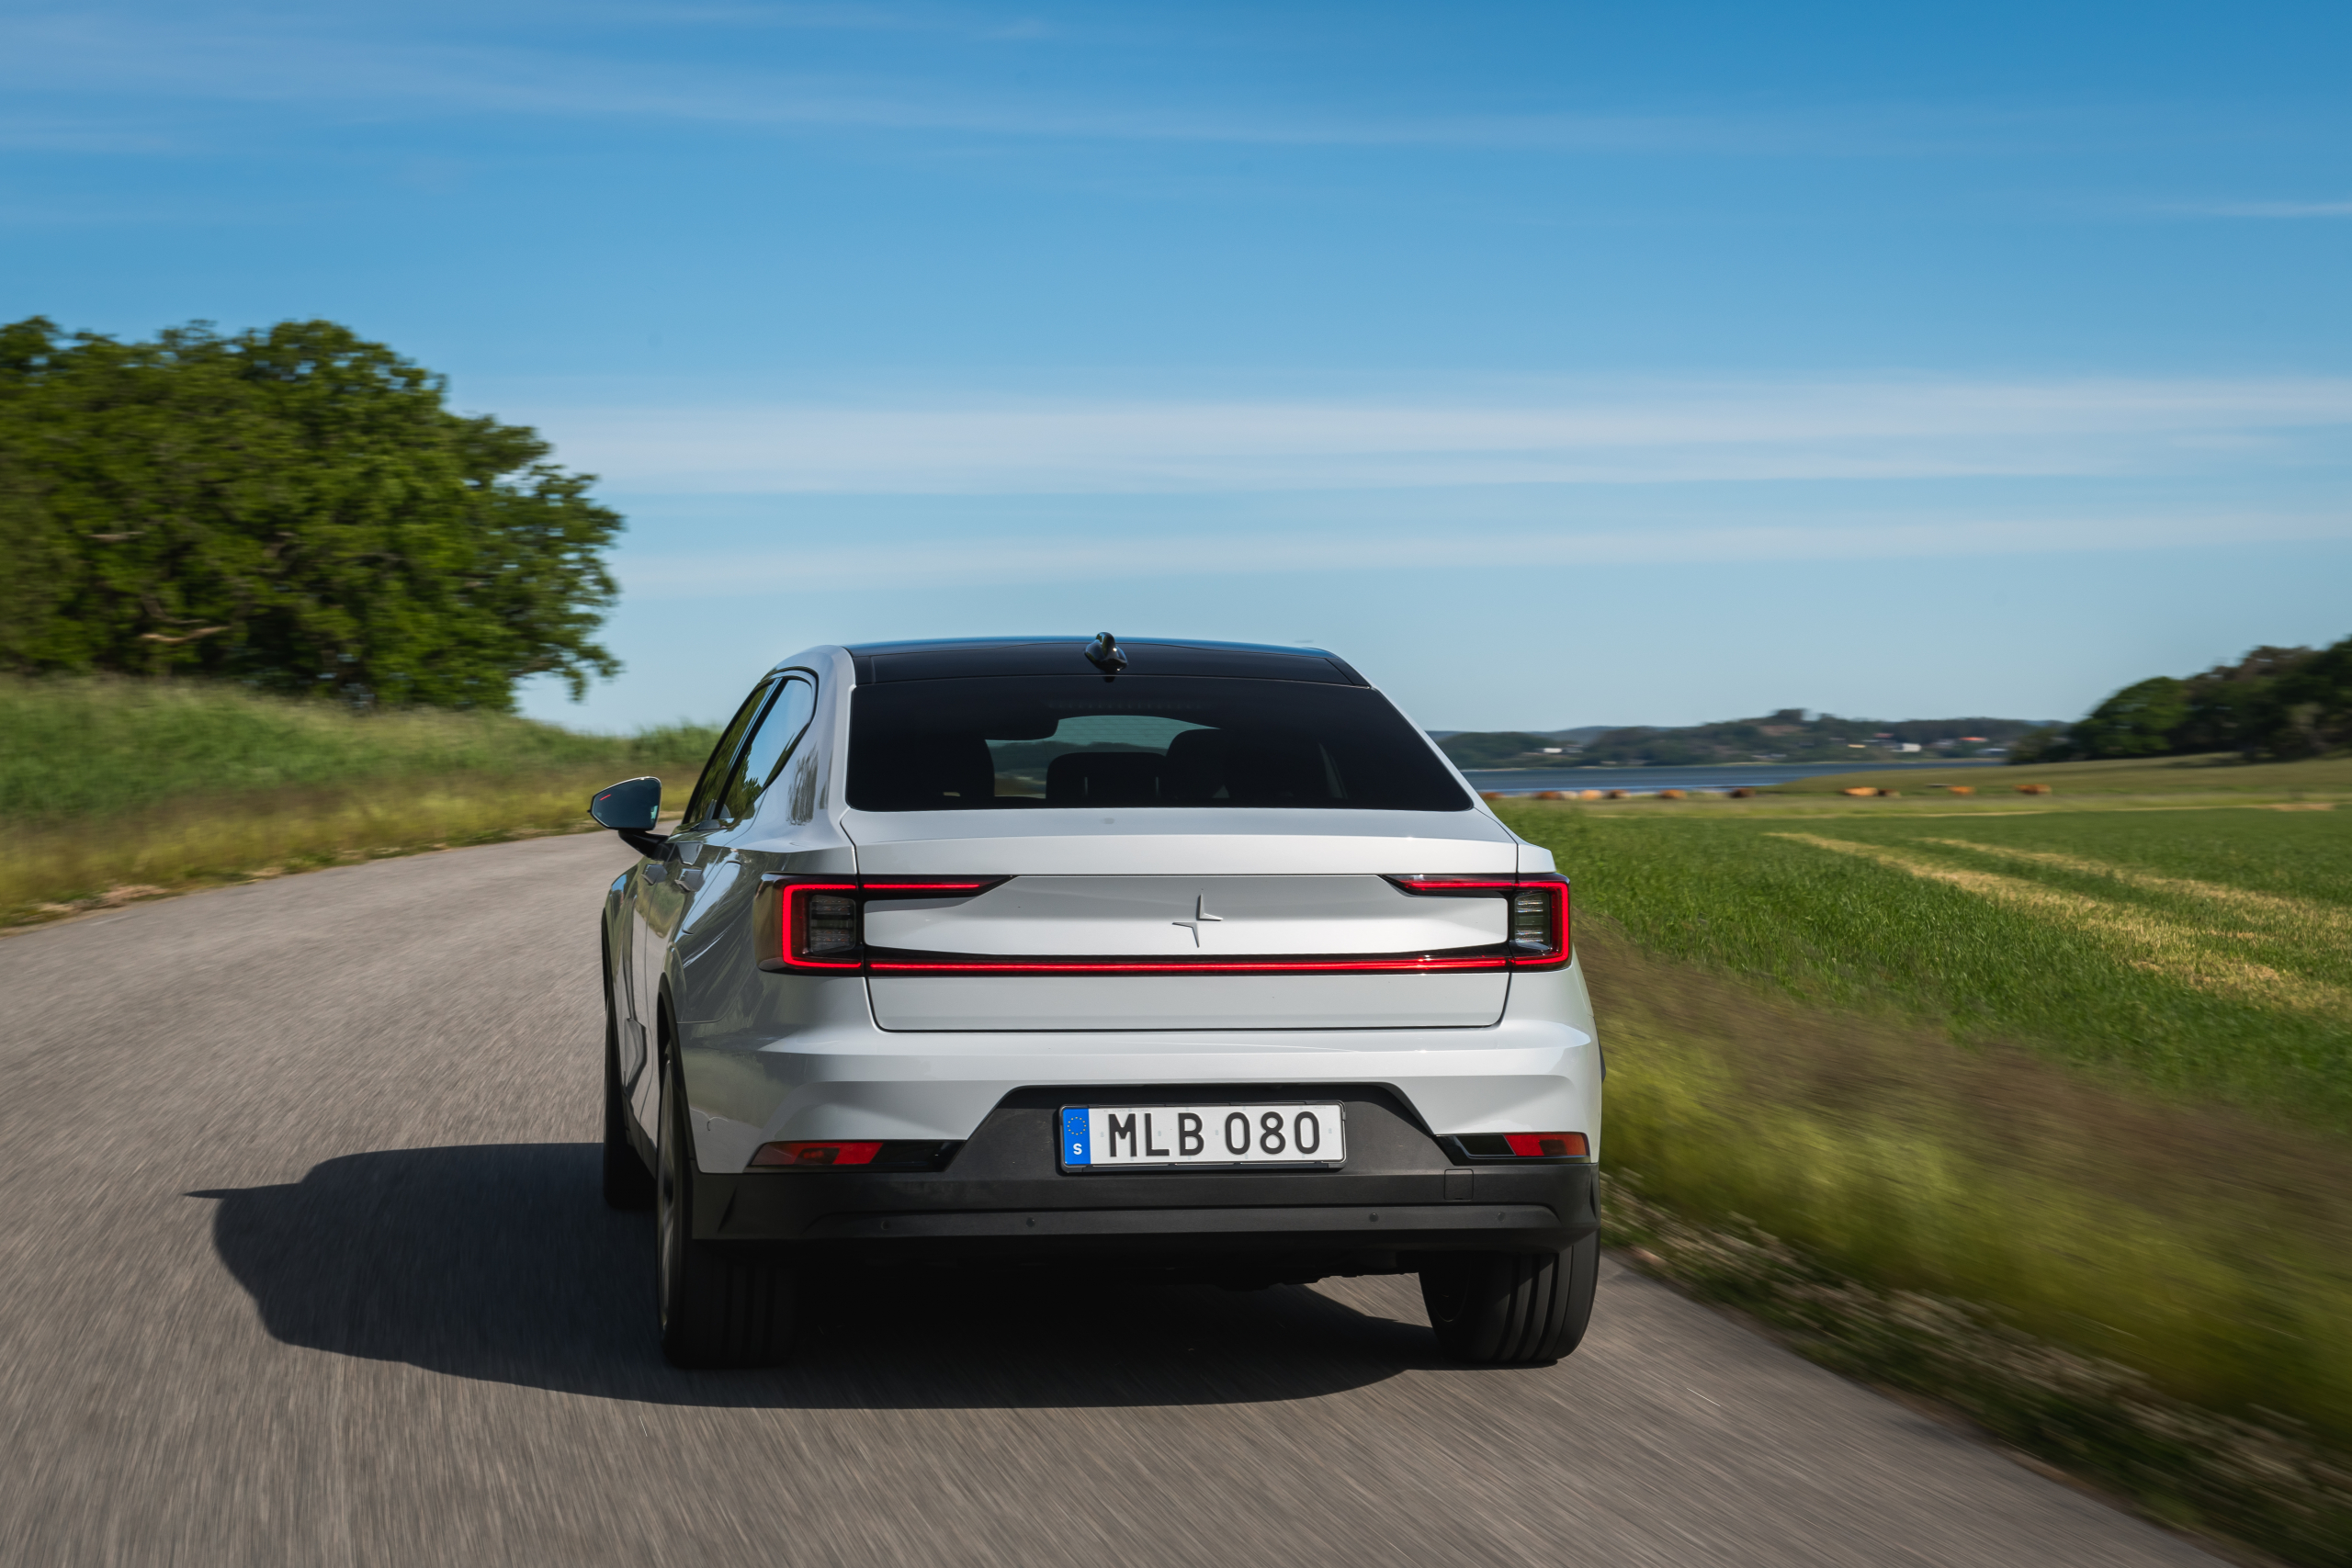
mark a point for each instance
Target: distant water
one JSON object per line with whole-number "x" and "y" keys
{"x": 1721, "y": 775}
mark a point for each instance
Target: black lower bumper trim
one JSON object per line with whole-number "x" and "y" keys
{"x": 1410, "y": 1225}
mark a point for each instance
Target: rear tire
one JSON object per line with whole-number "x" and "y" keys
{"x": 1512, "y": 1308}
{"x": 715, "y": 1307}
{"x": 627, "y": 1184}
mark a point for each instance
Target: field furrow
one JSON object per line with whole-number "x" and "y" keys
{"x": 2304, "y": 916}
{"x": 2137, "y": 935}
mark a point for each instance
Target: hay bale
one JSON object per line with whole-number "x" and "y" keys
{"x": 1589, "y": 795}
{"x": 1859, "y": 793}
{"x": 1671, "y": 795}
{"x": 2034, "y": 789}
{"x": 1615, "y": 794}
{"x": 1550, "y": 794}
{"x": 1490, "y": 795}
{"x": 1960, "y": 789}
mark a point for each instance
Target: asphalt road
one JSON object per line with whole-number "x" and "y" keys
{"x": 302, "y": 1262}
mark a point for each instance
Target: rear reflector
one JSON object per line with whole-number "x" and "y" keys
{"x": 833, "y": 1153}
{"x": 1504, "y": 1147}
{"x": 1547, "y": 1145}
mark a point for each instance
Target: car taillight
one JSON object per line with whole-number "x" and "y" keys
{"x": 822, "y": 923}
{"x": 816, "y": 1154}
{"x": 1538, "y": 915}
{"x": 819, "y": 923}
{"x": 817, "y": 928}
{"x": 1539, "y": 924}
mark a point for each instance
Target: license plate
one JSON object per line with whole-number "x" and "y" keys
{"x": 1095, "y": 1137}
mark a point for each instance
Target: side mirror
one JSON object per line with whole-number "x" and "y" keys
{"x": 630, "y": 809}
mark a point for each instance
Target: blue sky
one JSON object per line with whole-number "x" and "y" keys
{"x": 1558, "y": 364}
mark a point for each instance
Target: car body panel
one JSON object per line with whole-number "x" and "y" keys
{"x": 1188, "y": 917}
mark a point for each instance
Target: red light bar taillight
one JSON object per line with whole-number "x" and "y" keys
{"x": 1538, "y": 920}
{"x": 816, "y": 1154}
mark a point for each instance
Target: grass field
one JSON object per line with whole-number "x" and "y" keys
{"x": 2205, "y": 952}
{"x": 2225, "y": 777}
{"x": 2091, "y": 1066}
{"x": 122, "y": 789}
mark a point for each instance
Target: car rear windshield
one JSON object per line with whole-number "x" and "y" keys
{"x": 995, "y": 741}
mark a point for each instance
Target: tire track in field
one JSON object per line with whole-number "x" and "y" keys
{"x": 2142, "y": 940}
{"x": 2307, "y": 915}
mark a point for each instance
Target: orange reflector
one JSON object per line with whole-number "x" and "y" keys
{"x": 828, "y": 1154}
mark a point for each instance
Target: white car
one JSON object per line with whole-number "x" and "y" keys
{"x": 1185, "y": 955}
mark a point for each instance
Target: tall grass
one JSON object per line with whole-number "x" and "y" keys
{"x": 2210, "y": 1251}
{"x": 122, "y": 788}
{"x": 2093, "y": 1069}
{"x": 80, "y": 747}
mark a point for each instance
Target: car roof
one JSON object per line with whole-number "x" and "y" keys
{"x": 947, "y": 658}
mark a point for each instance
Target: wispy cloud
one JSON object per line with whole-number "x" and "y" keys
{"x": 24, "y": 134}
{"x": 309, "y": 62}
{"x": 2266, "y": 210}
{"x": 811, "y": 568}
{"x": 942, "y": 20}
{"x": 1628, "y": 434}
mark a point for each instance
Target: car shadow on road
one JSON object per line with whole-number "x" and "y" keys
{"x": 499, "y": 1261}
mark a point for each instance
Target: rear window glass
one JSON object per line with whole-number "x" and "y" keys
{"x": 1078, "y": 741}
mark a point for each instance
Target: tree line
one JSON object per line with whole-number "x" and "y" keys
{"x": 2275, "y": 702}
{"x": 295, "y": 508}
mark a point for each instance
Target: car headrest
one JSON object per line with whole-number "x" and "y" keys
{"x": 1102, "y": 778}
{"x": 1266, "y": 767}
{"x": 1195, "y": 767}
{"x": 950, "y": 770}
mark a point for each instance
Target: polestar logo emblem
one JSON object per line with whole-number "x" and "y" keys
{"x": 1200, "y": 914}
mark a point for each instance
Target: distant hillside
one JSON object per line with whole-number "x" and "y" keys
{"x": 1792, "y": 735}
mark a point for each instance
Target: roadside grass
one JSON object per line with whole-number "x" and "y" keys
{"x": 127, "y": 789}
{"x": 2090, "y": 1071}
{"x": 2263, "y": 1481}
{"x": 2210, "y": 1249}
{"x": 73, "y": 746}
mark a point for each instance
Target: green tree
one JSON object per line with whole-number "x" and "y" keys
{"x": 2308, "y": 708}
{"x": 2138, "y": 721}
{"x": 1494, "y": 748}
{"x": 295, "y": 508}
{"x": 2232, "y": 708}
{"x": 2049, "y": 743}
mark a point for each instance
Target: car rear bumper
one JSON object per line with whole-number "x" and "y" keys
{"x": 848, "y": 1079}
{"x": 1003, "y": 1196}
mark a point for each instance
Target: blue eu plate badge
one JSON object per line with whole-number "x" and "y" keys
{"x": 1075, "y": 1147}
